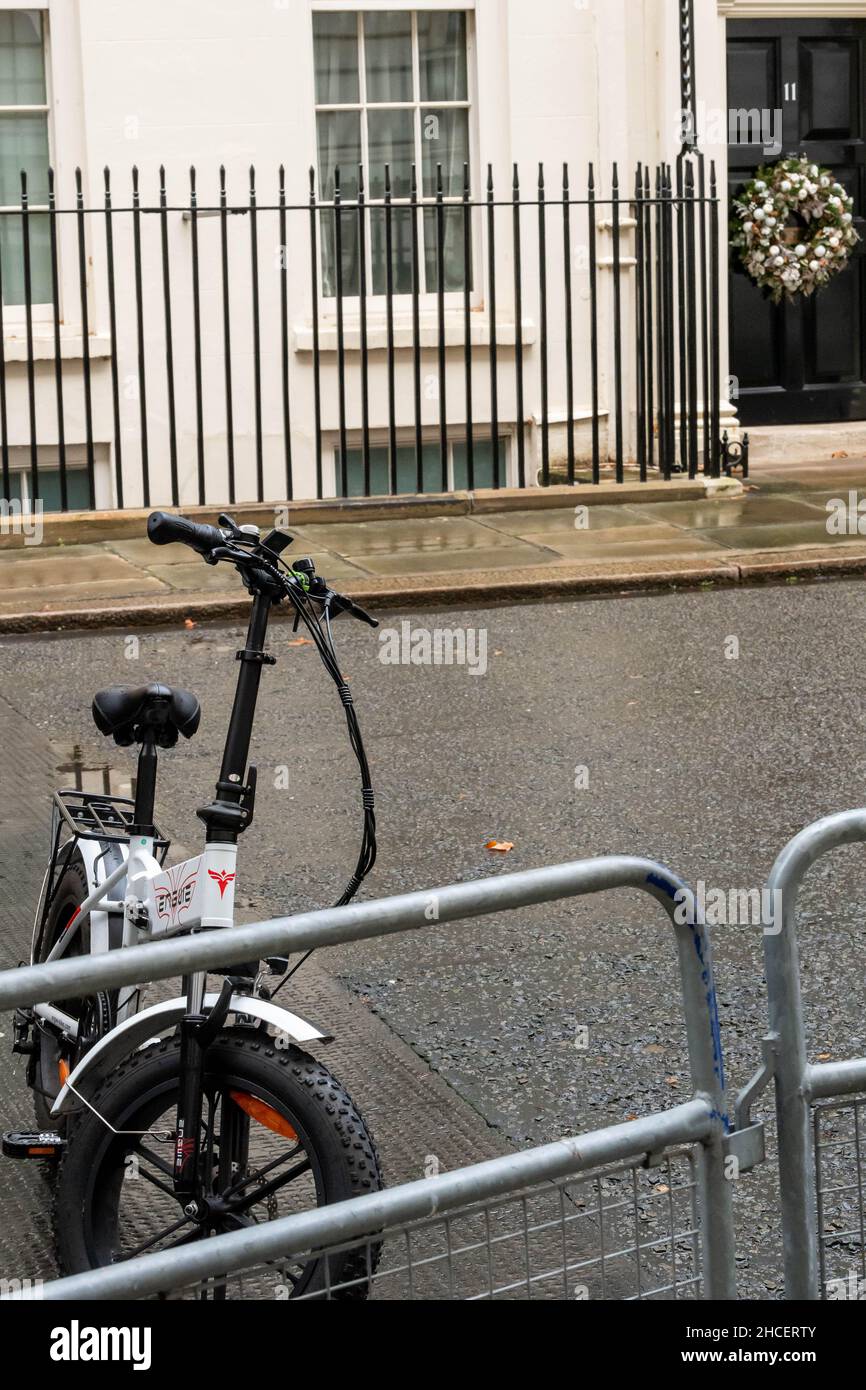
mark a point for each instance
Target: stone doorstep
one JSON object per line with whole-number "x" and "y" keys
{"x": 78, "y": 528}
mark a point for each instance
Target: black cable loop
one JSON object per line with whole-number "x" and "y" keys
{"x": 324, "y": 642}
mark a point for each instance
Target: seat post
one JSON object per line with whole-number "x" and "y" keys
{"x": 145, "y": 788}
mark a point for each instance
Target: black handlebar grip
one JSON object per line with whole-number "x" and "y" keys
{"x": 163, "y": 529}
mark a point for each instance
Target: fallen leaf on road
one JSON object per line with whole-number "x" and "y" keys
{"x": 672, "y": 1080}
{"x": 825, "y": 1056}
{"x": 499, "y": 846}
{"x": 188, "y": 622}
{"x": 301, "y": 642}
{"x": 840, "y": 454}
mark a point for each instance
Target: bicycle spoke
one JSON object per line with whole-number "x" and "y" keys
{"x": 149, "y": 1177}
{"x": 161, "y": 1163}
{"x": 243, "y": 1182}
{"x": 274, "y": 1186}
{"x": 160, "y": 1235}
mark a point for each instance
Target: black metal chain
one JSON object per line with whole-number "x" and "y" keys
{"x": 687, "y": 75}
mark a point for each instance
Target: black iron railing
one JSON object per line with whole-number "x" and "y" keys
{"x": 208, "y": 351}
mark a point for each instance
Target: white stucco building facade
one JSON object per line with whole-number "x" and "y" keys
{"x": 235, "y": 83}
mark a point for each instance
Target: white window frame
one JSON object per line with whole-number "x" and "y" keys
{"x": 15, "y": 315}
{"x": 428, "y": 298}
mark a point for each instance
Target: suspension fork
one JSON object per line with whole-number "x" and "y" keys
{"x": 197, "y": 1032}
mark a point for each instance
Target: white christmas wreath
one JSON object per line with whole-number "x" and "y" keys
{"x": 795, "y": 228}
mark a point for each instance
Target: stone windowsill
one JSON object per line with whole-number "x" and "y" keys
{"x": 71, "y": 343}
{"x": 377, "y": 333}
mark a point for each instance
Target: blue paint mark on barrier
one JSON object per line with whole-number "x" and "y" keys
{"x": 671, "y": 889}
{"x": 667, "y": 886}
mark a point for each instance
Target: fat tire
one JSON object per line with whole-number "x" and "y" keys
{"x": 344, "y": 1147}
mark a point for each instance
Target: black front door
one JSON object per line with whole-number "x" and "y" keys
{"x": 803, "y": 362}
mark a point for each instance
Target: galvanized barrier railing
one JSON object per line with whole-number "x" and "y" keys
{"x": 799, "y": 1083}
{"x": 364, "y": 1221}
{"x": 701, "y": 1122}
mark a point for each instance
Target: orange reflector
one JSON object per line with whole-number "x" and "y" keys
{"x": 63, "y": 1069}
{"x": 38, "y": 1153}
{"x": 264, "y": 1114}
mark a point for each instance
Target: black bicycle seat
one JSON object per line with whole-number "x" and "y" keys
{"x": 132, "y": 715}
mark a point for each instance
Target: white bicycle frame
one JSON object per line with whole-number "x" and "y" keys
{"x": 195, "y": 895}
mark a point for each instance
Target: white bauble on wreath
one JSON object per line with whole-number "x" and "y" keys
{"x": 800, "y": 256}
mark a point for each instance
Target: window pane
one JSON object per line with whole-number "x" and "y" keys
{"x": 445, "y": 141}
{"x": 401, "y": 249}
{"x": 442, "y": 52}
{"x": 339, "y": 135}
{"x": 335, "y": 38}
{"x": 351, "y": 258}
{"x": 23, "y": 145}
{"x": 77, "y": 489}
{"x": 453, "y": 242}
{"x": 407, "y": 470}
{"x": 12, "y": 259}
{"x": 14, "y": 494}
{"x": 482, "y": 454}
{"x": 388, "y": 48}
{"x": 339, "y": 148}
{"x": 391, "y": 140}
{"x": 22, "y": 68}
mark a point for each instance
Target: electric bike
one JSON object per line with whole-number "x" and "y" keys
{"x": 199, "y": 1114}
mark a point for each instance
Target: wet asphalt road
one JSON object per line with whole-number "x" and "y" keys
{"x": 707, "y": 763}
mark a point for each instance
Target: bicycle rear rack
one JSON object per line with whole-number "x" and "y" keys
{"x": 96, "y": 816}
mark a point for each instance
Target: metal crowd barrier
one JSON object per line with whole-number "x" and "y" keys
{"x": 820, "y": 1146}
{"x": 689, "y": 1254}
{"x": 607, "y": 1214}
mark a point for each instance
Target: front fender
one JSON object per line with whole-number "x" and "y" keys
{"x": 142, "y": 1028}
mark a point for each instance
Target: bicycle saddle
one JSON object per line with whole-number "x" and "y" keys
{"x": 131, "y": 715}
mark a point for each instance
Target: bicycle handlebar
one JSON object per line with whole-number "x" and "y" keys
{"x": 163, "y": 529}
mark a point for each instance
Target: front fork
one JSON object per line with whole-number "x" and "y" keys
{"x": 197, "y": 1032}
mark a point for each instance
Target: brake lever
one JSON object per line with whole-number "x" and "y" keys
{"x": 227, "y": 552}
{"x": 345, "y": 605}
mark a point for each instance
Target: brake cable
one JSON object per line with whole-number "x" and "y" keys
{"x": 291, "y": 584}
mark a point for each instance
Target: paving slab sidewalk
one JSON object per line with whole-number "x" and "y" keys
{"x": 772, "y": 531}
